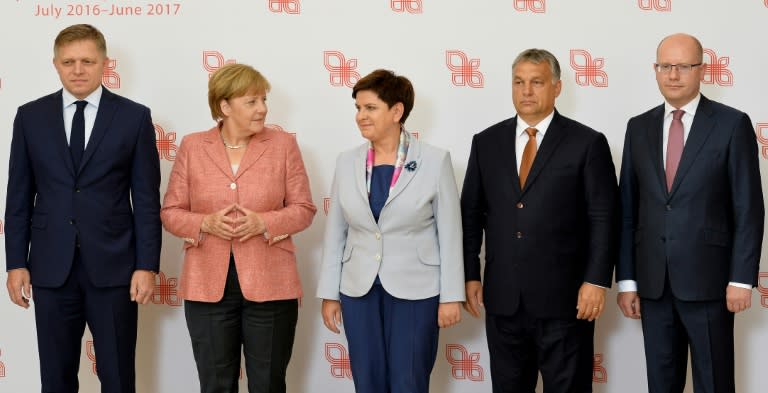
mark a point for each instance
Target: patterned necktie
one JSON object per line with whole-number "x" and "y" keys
{"x": 77, "y": 134}
{"x": 674, "y": 146}
{"x": 528, "y": 155}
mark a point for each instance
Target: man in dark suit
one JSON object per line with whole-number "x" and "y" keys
{"x": 543, "y": 189}
{"x": 692, "y": 225}
{"x": 82, "y": 217}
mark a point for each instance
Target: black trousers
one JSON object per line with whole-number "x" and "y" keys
{"x": 265, "y": 332}
{"x": 521, "y": 345}
{"x": 61, "y": 315}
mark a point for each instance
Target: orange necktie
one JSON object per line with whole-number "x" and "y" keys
{"x": 528, "y": 155}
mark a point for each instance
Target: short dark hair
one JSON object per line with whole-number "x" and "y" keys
{"x": 538, "y": 56}
{"x": 390, "y": 88}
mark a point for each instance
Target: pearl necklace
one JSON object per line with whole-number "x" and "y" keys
{"x": 233, "y": 147}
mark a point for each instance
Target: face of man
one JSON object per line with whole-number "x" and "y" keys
{"x": 534, "y": 91}
{"x": 679, "y": 87}
{"x": 80, "y": 65}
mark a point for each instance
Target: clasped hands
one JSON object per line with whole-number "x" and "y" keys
{"x": 248, "y": 225}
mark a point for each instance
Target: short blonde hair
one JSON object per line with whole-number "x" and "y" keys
{"x": 231, "y": 81}
{"x": 81, "y": 32}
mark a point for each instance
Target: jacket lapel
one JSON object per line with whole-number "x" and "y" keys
{"x": 256, "y": 148}
{"x": 655, "y": 136}
{"x": 104, "y": 115}
{"x": 507, "y": 146}
{"x": 60, "y": 133}
{"x": 214, "y": 148}
{"x": 552, "y": 138}
{"x": 413, "y": 155}
{"x": 702, "y": 127}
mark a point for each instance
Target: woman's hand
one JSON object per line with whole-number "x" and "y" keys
{"x": 448, "y": 314}
{"x": 218, "y": 224}
{"x": 332, "y": 314}
{"x": 248, "y": 225}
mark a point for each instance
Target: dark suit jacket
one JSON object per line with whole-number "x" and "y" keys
{"x": 542, "y": 242}
{"x": 111, "y": 203}
{"x": 708, "y": 230}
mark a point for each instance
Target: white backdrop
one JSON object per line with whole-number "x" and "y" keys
{"x": 458, "y": 56}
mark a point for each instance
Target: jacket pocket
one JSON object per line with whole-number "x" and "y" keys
{"x": 429, "y": 255}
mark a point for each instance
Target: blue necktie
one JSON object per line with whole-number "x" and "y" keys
{"x": 77, "y": 136}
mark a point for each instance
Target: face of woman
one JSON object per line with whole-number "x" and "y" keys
{"x": 375, "y": 119}
{"x": 246, "y": 113}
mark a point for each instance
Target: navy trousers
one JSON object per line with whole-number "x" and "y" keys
{"x": 392, "y": 342}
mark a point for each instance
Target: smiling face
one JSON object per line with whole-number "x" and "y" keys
{"x": 534, "y": 91}
{"x": 80, "y": 65}
{"x": 375, "y": 119}
{"x": 679, "y": 88}
{"x": 245, "y": 114}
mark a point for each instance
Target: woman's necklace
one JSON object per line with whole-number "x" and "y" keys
{"x": 228, "y": 146}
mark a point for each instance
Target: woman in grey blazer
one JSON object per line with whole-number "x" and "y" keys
{"x": 392, "y": 254}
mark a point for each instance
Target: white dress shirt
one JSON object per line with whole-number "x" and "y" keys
{"x": 89, "y": 112}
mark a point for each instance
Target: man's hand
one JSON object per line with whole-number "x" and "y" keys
{"x": 738, "y": 299}
{"x": 19, "y": 287}
{"x": 629, "y": 303}
{"x": 591, "y": 302}
{"x": 474, "y": 298}
{"x": 142, "y": 286}
{"x": 331, "y": 312}
{"x": 448, "y": 314}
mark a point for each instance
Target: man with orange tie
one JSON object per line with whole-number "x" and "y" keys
{"x": 542, "y": 189}
{"x": 692, "y": 225}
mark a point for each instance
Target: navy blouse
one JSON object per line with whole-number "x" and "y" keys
{"x": 381, "y": 178}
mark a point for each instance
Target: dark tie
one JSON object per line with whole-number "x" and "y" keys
{"x": 529, "y": 153}
{"x": 674, "y": 146}
{"x": 77, "y": 136}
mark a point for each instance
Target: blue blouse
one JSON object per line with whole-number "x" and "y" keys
{"x": 381, "y": 178}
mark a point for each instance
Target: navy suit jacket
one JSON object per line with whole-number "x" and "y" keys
{"x": 110, "y": 204}
{"x": 708, "y": 229}
{"x": 543, "y": 241}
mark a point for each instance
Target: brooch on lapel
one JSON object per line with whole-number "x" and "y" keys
{"x": 411, "y": 166}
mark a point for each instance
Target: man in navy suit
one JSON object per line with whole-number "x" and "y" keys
{"x": 82, "y": 217}
{"x": 542, "y": 189}
{"x": 692, "y": 213}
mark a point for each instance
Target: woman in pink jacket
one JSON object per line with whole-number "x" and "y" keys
{"x": 236, "y": 195}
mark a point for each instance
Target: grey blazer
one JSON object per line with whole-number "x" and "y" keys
{"x": 415, "y": 248}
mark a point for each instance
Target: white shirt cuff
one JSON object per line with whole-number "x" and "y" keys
{"x": 740, "y": 285}
{"x": 627, "y": 286}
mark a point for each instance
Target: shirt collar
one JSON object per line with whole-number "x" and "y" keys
{"x": 92, "y": 99}
{"x": 541, "y": 127}
{"x": 689, "y": 108}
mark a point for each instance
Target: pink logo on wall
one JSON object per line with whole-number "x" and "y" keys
{"x": 286, "y": 6}
{"x": 464, "y": 365}
{"x": 213, "y": 60}
{"x": 464, "y": 71}
{"x": 90, "y": 351}
{"x": 409, "y": 6}
{"x": 2, "y": 227}
{"x": 415, "y": 134}
{"x": 166, "y": 146}
{"x": 762, "y": 280}
{"x": 762, "y": 137}
{"x": 337, "y": 356}
{"x": 110, "y": 78}
{"x": 599, "y": 374}
{"x": 166, "y": 290}
{"x": 537, "y": 6}
{"x": 655, "y": 5}
{"x": 766, "y": 3}
{"x": 2, "y": 366}
{"x": 341, "y": 71}
{"x": 326, "y": 204}
{"x": 588, "y": 71}
{"x": 717, "y": 69}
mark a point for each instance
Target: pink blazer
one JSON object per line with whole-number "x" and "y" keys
{"x": 271, "y": 180}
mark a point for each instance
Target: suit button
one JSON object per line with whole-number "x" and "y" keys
{"x": 520, "y": 205}
{"x": 77, "y": 190}
{"x": 378, "y": 257}
{"x": 519, "y": 235}
{"x": 663, "y": 239}
{"x": 232, "y": 185}
{"x": 378, "y": 236}
{"x": 669, "y": 207}
{"x": 72, "y": 222}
